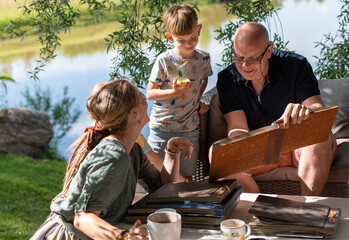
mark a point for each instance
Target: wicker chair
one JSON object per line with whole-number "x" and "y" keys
{"x": 337, "y": 183}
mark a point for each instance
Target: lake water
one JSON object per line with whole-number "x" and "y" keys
{"x": 304, "y": 22}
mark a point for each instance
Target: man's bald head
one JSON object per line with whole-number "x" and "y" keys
{"x": 252, "y": 51}
{"x": 252, "y": 33}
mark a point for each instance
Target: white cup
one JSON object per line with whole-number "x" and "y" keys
{"x": 234, "y": 229}
{"x": 164, "y": 225}
{"x": 165, "y": 210}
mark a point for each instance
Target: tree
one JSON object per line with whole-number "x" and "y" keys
{"x": 141, "y": 37}
{"x": 334, "y": 54}
{"x": 48, "y": 19}
{"x": 141, "y": 20}
{"x": 247, "y": 11}
{"x": 62, "y": 114}
{"x": 4, "y": 80}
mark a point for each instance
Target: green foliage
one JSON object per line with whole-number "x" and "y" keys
{"x": 27, "y": 187}
{"x": 246, "y": 11}
{"x": 3, "y": 81}
{"x": 3, "y": 90}
{"x": 52, "y": 151}
{"x": 141, "y": 35}
{"x": 333, "y": 61}
{"x": 48, "y": 19}
{"x": 62, "y": 114}
{"x": 98, "y": 8}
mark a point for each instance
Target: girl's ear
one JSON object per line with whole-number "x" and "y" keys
{"x": 169, "y": 37}
{"x": 134, "y": 113}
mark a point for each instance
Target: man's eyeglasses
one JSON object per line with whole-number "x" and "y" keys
{"x": 240, "y": 61}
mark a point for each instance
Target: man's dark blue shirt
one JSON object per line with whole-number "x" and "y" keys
{"x": 291, "y": 80}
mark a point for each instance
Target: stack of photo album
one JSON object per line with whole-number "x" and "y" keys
{"x": 275, "y": 216}
{"x": 202, "y": 204}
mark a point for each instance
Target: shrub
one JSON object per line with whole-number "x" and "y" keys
{"x": 62, "y": 114}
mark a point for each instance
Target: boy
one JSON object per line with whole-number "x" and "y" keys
{"x": 177, "y": 102}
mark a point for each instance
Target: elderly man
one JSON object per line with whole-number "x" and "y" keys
{"x": 264, "y": 85}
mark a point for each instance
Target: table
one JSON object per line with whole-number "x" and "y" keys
{"x": 246, "y": 201}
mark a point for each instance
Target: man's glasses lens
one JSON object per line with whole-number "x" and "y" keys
{"x": 241, "y": 61}
{"x": 251, "y": 61}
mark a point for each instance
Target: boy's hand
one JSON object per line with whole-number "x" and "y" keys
{"x": 179, "y": 90}
{"x": 202, "y": 108}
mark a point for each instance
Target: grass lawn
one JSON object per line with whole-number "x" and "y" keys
{"x": 27, "y": 187}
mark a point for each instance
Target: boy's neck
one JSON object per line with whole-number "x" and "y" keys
{"x": 184, "y": 55}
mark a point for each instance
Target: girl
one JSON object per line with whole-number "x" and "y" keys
{"x": 101, "y": 176}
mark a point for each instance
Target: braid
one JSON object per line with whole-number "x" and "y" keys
{"x": 76, "y": 159}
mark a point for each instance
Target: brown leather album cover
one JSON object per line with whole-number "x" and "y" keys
{"x": 200, "y": 191}
{"x": 282, "y": 217}
{"x": 263, "y": 146}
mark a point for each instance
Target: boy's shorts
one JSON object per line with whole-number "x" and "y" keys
{"x": 290, "y": 159}
{"x": 158, "y": 141}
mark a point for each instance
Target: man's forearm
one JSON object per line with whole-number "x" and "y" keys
{"x": 236, "y": 132}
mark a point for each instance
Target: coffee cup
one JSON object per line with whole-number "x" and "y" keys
{"x": 234, "y": 229}
{"x": 164, "y": 225}
{"x": 165, "y": 210}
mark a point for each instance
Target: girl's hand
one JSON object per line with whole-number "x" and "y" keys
{"x": 136, "y": 233}
{"x": 175, "y": 144}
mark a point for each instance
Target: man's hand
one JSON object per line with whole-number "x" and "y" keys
{"x": 296, "y": 112}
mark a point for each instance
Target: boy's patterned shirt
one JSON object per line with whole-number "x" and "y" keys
{"x": 179, "y": 113}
